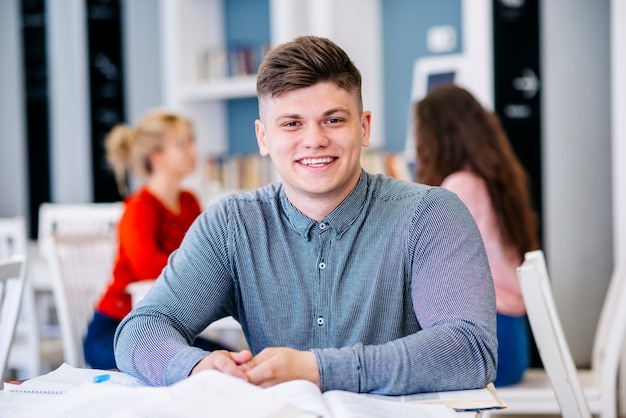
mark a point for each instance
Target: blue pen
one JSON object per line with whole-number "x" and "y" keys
{"x": 101, "y": 378}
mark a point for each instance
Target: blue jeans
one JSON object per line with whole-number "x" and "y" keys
{"x": 513, "y": 349}
{"x": 98, "y": 343}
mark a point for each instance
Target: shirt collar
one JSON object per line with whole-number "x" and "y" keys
{"x": 339, "y": 219}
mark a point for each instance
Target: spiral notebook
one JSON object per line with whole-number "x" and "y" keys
{"x": 67, "y": 377}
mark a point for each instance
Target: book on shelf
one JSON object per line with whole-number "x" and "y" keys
{"x": 234, "y": 60}
{"x": 238, "y": 172}
{"x": 121, "y": 395}
{"x": 391, "y": 164}
{"x": 212, "y": 64}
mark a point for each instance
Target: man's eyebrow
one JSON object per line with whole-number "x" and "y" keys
{"x": 327, "y": 113}
{"x": 332, "y": 111}
{"x": 289, "y": 116}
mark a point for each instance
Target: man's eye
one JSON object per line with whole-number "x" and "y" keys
{"x": 291, "y": 124}
{"x": 334, "y": 120}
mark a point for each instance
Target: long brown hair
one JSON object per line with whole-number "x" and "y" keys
{"x": 453, "y": 131}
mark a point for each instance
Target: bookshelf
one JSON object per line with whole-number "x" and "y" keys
{"x": 222, "y": 89}
{"x": 210, "y": 50}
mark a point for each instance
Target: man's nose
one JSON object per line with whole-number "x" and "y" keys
{"x": 315, "y": 136}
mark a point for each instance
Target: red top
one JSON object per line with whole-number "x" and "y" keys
{"x": 147, "y": 233}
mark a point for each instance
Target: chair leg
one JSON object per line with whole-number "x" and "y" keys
{"x": 621, "y": 386}
{"x": 26, "y": 359}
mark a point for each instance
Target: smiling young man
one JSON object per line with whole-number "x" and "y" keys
{"x": 350, "y": 280}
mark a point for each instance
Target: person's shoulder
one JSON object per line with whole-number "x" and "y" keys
{"x": 466, "y": 184}
{"x": 140, "y": 207}
{"x": 139, "y": 198}
{"x": 263, "y": 195}
{"x": 388, "y": 188}
{"x": 188, "y": 197}
{"x": 416, "y": 198}
{"x": 463, "y": 179}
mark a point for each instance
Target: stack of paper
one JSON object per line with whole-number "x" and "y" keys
{"x": 73, "y": 392}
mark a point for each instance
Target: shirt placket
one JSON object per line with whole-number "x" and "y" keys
{"x": 323, "y": 274}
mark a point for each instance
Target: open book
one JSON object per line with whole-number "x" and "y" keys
{"x": 337, "y": 403}
{"x": 210, "y": 392}
{"x": 459, "y": 400}
{"x": 341, "y": 404}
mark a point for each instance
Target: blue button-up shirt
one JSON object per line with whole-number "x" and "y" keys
{"x": 391, "y": 291}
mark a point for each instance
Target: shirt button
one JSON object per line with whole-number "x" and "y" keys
{"x": 322, "y": 225}
{"x": 320, "y": 321}
{"x": 322, "y": 265}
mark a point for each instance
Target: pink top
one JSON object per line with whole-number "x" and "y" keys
{"x": 503, "y": 260}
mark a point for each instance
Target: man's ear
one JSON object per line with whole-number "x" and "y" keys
{"x": 366, "y": 128}
{"x": 261, "y": 137}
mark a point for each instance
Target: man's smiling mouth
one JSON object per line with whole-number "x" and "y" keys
{"x": 316, "y": 162}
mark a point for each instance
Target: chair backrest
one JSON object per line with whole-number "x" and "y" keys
{"x": 80, "y": 243}
{"x": 12, "y": 276}
{"x": 610, "y": 333}
{"x": 549, "y": 337}
{"x": 79, "y": 217}
{"x": 14, "y": 240}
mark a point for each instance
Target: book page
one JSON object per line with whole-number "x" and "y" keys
{"x": 90, "y": 400}
{"x": 306, "y": 395}
{"x": 12, "y": 404}
{"x": 209, "y": 393}
{"x": 20, "y": 397}
{"x": 352, "y": 405}
{"x": 460, "y": 400}
{"x": 212, "y": 393}
{"x": 66, "y": 377}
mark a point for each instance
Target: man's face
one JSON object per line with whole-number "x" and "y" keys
{"x": 314, "y": 136}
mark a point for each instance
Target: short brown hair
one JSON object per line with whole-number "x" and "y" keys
{"x": 304, "y": 62}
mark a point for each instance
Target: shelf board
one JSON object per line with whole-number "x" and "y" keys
{"x": 223, "y": 89}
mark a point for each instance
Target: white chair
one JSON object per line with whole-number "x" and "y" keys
{"x": 549, "y": 337}
{"x": 25, "y": 356}
{"x": 535, "y": 395}
{"x": 12, "y": 277}
{"x": 79, "y": 217}
{"x": 79, "y": 242}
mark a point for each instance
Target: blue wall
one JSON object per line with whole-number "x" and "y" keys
{"x": 247, "y": 22}
{"x": 405, "y": 25}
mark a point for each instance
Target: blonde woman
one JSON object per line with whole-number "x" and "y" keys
{"x": 160, "y": 150}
